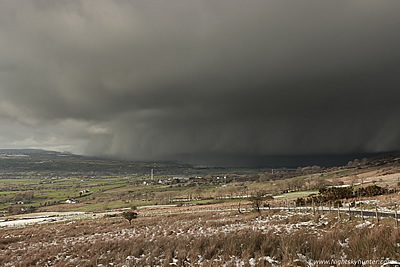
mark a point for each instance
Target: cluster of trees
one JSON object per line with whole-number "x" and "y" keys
{"x": 19, "y": 209}
{"x": 258, "y": 199}
{"x": 375, "y": 161}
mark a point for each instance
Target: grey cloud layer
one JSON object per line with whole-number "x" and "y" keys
{"x": 158, "y": 79}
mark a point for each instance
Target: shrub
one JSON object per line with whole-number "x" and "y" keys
{"x": 129, "y": 215}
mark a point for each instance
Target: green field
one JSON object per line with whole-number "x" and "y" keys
{"x": 296, "y": 194}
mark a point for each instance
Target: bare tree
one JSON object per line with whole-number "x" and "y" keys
{"x": 258, "y": 198}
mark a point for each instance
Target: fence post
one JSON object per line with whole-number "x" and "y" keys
{"x": 362, "y": 211}
{"x": 349, "y": 212}
{"x": 376, "y": 213}
{"x": 313, "y": 206}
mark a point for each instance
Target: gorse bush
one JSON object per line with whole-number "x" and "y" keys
{"x": 129, "y": 215}
{"x": 335, "y": 194}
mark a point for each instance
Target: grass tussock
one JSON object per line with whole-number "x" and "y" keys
{"x": 207, "y": 239}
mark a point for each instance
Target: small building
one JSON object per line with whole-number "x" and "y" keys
{"x": 71, "y": 201}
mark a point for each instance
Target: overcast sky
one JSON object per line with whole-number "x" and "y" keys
{"x": 165, "y": 80}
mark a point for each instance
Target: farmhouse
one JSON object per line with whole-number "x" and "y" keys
{"x": 71, "y": 201}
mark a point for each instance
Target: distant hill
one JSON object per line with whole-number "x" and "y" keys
{"x": 229, "y": 161}
{"x": 28, "y": 151}
{"x": 278, "y": 161}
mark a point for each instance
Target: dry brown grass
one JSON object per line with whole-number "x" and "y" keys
{"x": 200, "y": 239}
{"x": 382, "y": 177}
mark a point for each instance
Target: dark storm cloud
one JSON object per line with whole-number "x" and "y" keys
{"x": 164, "y": 79}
